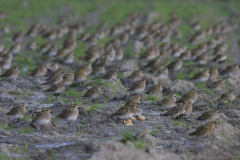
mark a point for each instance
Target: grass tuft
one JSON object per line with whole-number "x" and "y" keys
{"x": 26, "y": 130}
{"x": 200, "y": 85}
{"x": 94, "y": 106}
{"x": 179, "y": 123}
{"x": 152, "y": 98}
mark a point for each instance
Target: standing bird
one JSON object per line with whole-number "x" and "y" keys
{"x": 125, "y": 112}
{"x": 213, "y": 73}
{"x": 217, "y": 85}
{"x": 54, "y": 80}
{"x": 68, "y": 79}
{"x": 232, "y": 69}
{"x": 204, "y": 130}
{"x": 11, "y": 73}
{"x": 93, "y": 92}
{"x": 188, "y": 109}
{"x": 192, "y": 96}
{"x": 80, "y": 75}
{"x": 70, "y": 114}
{"x": 69, "y": 58}
{"x": 156, "y": 89}
{"x": 52, "y": 66}
{"x": 5, "y": 64}
{"x": 227, "y": 96}
{"x": 40, "y": 71}
{"x": 31, "y": 46}
{"x": 168, "y": 102}
{"x": 52, "y": 51}
{"x": 56, "y": 89}
{"x": 15, "y": 48}
{"x": 220, "y": 58}
{"x": 111, "y": 75}
{"x": 88, "y": 68}
{"x": 134, "y": 99}
{"x": 176, "y": 110}
{"x": 138, "y": 86}
{"x": 17, "y": 112}
{"x": 201, "y": 59}
{"x": 55, "y": 73}
{"x": 175, "y": 65}
{"x": 209, "y": 115}
{"x": 201, "y": 76}
{"x": 135, "y": 76}
{"x": 42, "y": 118}
{"x": 162, "y": 73}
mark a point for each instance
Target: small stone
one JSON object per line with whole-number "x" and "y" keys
{"x": 132, "y": 118}
{"x": 142, "y": 118}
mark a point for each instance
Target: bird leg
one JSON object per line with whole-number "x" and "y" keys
{"x": 56, "y": 95}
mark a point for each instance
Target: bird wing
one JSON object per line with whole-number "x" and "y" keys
{"x": 183, "y": 98}
{"x": 34, "y": 72}
{"x": 7, "y": 73}
{"x": 65, "y": 113}
{"x": 135, "y": 85}
{"x": 12, "y": 111}
{"x": 120, "y": 111}
{"x": 164, "y": 101}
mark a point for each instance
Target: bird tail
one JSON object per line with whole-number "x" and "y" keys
{"x": 180, "y": 116}
{"x": 192, "y": 134}
{"x": 165, "y": 114}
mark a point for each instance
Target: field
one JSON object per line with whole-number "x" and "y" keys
{"x": 92, "y": 135}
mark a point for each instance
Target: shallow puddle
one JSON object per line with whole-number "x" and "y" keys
{"x": 54, "y": 145}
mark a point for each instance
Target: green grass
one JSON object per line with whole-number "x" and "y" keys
{"x": 236, "y": 157}
{"x": 51, "y": 98}
{"x": 229, "y": 103}
{"x": 103, "y": 82}
{"x": 138, "y": 142}
{"x": 52, "y": 154}
{"x": 73, "y": 93}
{"x": 6, "y": 127}
{"x": 151, "y": 98}
{"x": 26, "y": 117}
{"x": 129, "y": 52}
{"x": 94, "y": 106}
{"x": 181, "y": 75}
{"x": 200, "y": 85}
{"x": 25, "y": 144}
{"x": 26, "y": 130}
{"x": 188, "y": 63}
{"x": 179, "y": 123}
{"x": 5, "y": 157}
{"x": 167, "y": 61}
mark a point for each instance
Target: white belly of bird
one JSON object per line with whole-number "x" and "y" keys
{"x": 137, "y": 91}
{"x": 202, "y": 62}
{"x": 126, "y": 116}
{"x": 67, "y": 83}
{"x": 223, "y": 58}
{"x": 6, "y": 66}
{"x": 202, "y": 79}
{"x": 162, "y": 76}
{"x": 72, "y": 118}
{"x": 176, "y": 54}
{"x": 16, "y": 116}
{"x": 43, "y": 121}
